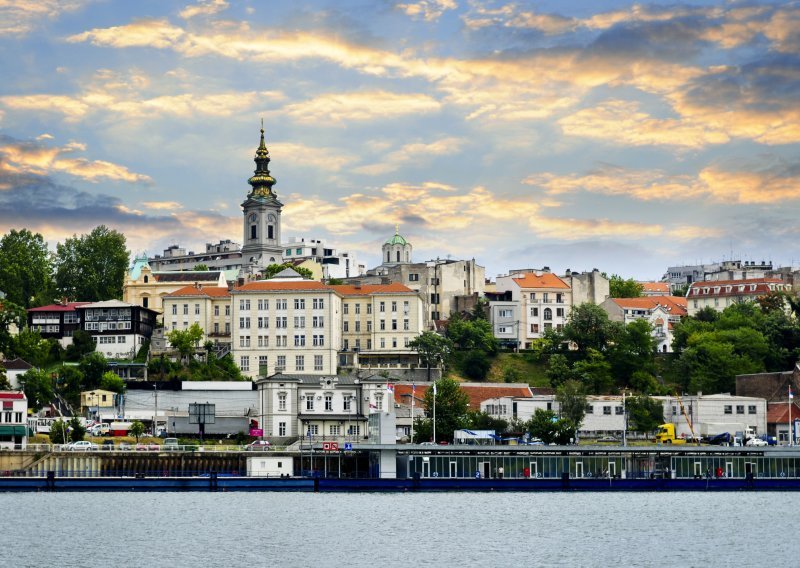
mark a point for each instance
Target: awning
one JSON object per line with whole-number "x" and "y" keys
{"x": 13, "y": 431}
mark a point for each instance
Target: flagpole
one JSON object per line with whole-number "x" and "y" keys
{"x": 791, "y": 433}
{"x": 434, "y": 413}
{"x": 412, "y": 412}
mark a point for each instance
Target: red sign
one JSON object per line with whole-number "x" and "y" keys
{"x": 330, "y": 446}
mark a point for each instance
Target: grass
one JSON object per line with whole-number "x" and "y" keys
{"x": 518, "y": 368}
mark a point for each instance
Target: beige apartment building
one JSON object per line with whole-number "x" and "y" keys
{"x": 207, "y": 306}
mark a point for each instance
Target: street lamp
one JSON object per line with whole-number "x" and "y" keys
{"x": 92, "y": 395}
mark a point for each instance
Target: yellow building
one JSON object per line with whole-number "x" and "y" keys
{"x": 207, "y": 306}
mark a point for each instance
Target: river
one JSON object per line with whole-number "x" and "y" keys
{"x": 369, "y": 529}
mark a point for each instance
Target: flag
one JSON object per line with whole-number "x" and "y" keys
{"x": 413, "y": 388}
{"x": 390, "y": 388}
{"x": 791, "y": 394}
{"x": 434, "y": 389}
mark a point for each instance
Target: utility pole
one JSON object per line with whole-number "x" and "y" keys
{"x": 155, "y": 410}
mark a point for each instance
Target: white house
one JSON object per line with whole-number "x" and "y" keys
{"x": 13, "y": 420}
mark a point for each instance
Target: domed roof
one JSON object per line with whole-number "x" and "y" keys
{"x": 397, "y": 239}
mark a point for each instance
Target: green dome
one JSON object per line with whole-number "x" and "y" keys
{"x": 396, "y": 240}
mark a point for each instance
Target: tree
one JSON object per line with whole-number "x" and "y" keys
{"x": 29, "y": 345}
{"x": 545, "y": 425}
{"x": 273, "y": 269}
{"x": 12, "y": 319}
{"x": 633, "y": 351}
{"x": 335, "y": 281}
{"x": 475, "y": 365}
{"x": 136, "y": 430}
{"x": 589, "y": 328}
{"x": 111, "y": 381}
{"x": 186, "y": 341}
{"x": 201, "y": 268}
{"x": 484, "y": 421}
{"x": 452, "y": 404}
{"x": 432, "y": 349}
{"x": 58, "y": 432}
{"x": 4, "y": 382}
{"x": 476, "y": 334}
{"x": 25, "y": 269}
{"x": 93, "y": 366}
{"x": 571, "y": 397}
{"x": 594, "y": 372}
{"x": 82, "y": 344}
{"x": 644, "y": 413}
{"x": 69, "y": 383}
{"x": 558, "y": 369}
{"x": 77, "y": 431}
{"x": 38, "y": 388}
{"x": 774, "y": 301}
{"x": 92, "y": 267}
{"x": 621, "y": 288}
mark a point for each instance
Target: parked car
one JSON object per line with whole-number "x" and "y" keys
{"x": 100, "y": 430}
{"x": 258, "y": 445}
{"x": 125, "y": 446}
{"x": 82, "y": 446}
{"x": 143, "y": 447}
{"x": 107, "y": 445}
{"x": 171, "y": 445}
{"x": 756, "y": 442}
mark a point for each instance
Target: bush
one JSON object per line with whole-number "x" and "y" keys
{"x": 475, "y": 365}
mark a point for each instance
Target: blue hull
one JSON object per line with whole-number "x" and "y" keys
{"x": 328, "y": 485}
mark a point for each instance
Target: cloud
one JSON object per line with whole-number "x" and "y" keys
{"x": 360, "y": 106}
{"x": 414, "y": 152}
{"x": 19, "y": 17}
{"x": 162, "y": 205}
{"x": 428, "y": 10}
{"x": 330, "y": 159}
{"x": 746, "y": 182}
{"x": 203, "y": 8}
{"x": 622, "y": 122}
{"x": 30, "y": 158}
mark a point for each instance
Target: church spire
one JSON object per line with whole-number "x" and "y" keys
{"x": 261, "y": 180}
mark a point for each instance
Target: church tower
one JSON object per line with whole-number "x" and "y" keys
{"x": 262, "y": 216}
{"x": 396, "y": 250}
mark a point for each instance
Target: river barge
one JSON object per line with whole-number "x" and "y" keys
{"x": 399, "y": 468}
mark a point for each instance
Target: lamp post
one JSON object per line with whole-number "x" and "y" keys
{"x": 89, "y": 406}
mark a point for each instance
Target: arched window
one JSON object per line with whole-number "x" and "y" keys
{"x": 407, "y": 257}
{"x": 270, "y": 232}
{"x": 548, "y": 314}
{"x": 388, "y": 256}
{"x": 253, "y": 231}
{"x": 146, "y": 279}
{"x": 398, "y": 256}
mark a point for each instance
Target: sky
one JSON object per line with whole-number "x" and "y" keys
{"x": 611, "y": 135}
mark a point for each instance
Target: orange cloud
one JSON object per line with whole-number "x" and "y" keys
{"x": 373, "y": 105}
{"x": 428, "y": 10}
{"x": 203, "y": 8}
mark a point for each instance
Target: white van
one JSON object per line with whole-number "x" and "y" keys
{"x": 100, "y": 430}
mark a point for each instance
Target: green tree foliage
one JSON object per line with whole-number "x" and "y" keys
{"x": 558, "y": 369}
{"x": 472, "y": 334}
{"x": 550, "y": 429}
{"x": 12, "y": 319}
{"x": 38, "y": 388}
{"x": 432, "y": 349}
{"x": 711, "y": 363}
{"x": 633, "y": 351}
{"x": 475, "y": 365}
{"x": 58, "y": 432}
{"x": 480, "y": 310}
{"x": 622, "y": 288}
{"x": 92, "y": 267}
{"x": 111, "y": 381}
{"x": 594, "y": 372}
{"x": 273, "y": 269}
{"x": 201, "y": 268}
{"x": 76, "y": 429}
{"x": 589, "y": 328}
{"x": 483, "y": 421}
{"x": 774, "y": 301}
{"x": 29, "y": 345}
{"x": 452, "y": 405}
{"x": 5, "y": 384}
{"x": 335, "y": 281}
{"x": 82, "y": 344}
{"x": 571, "y": 397}
{"x": 644, "y": 413}
{"x": 186, "y": 342}
{"x": 69, "y": 383}
{"x": 25, "y": 269}
{"x": 92, "y": 367}
{"x": 137, "y": 430}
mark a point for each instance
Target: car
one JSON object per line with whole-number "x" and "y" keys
{"x": 258, "y": 445}
{"x": 427, "y": 444}
{"x": 100, "y": 430}
{"x": 608, "y": 439}
{"x": 143, "y": 447}
{"x": 107, "y": 445}
{"x": 125, "y": 446}
{"x": 171, "y": 445}
{"x": 82, "y": 446}
{"x": 756, "y": 442}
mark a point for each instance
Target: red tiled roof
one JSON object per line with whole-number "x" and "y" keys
{"x": 655, "y": 287}
{"x": 12, "y": 395}
{"x": 778, "y": 412}
{"x": 268, "y": 285}
{"x": 68, "y": 307}
{"x": 477, "y": 394}
{"x": 546, "y": 280}
{"x": 365, "y": 289}
{"x": 676, "y": 305}
{"x": 762, "y": 286}
{"x": 211, "y": 291}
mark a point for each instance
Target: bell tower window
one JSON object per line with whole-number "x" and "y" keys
{"x": 270, "y": 232}
{"x": 398, "y": 256}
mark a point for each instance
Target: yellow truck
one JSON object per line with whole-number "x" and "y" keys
{"x": 666, "y": 435}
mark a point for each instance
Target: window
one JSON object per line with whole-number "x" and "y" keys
{"x": 369, "y": 344}
{"x": 606, "y": 410}
{"x": 318, "y": 303}
{"x": 329, "y": 402}
{"x": 244, "y": 341}
{"x": 318, "y": 321}
{"x": 394, "y": 342}
{"x": 406, "y": 342}
{"x": 545, "y": 297}
{"x": 174, "y": 309}
{"x": 354, "y": 430}
{"x": 559, "y": 298}
{"x": 282, "y": 322}
{"x": 347, "y": 401}
{"x": 216, "y": 311}
{"x": 346, "y": 344}
{"x": 535, "y": 312}
{"x": 244, "y": 323}
{"x": 358, "y": 309}
{"x": 244, "y": 362}
{"x": 319, "y": 340}
{"x": 358, "y": 326}
{"x": 300, "y": 362}
{"x": 405, "y": 325}
{"x": 739, "y": 409}
{"x": 280, "y": 304}
{"x": 299, "y": 322}
{"x": 345, "y": 309}
{"x": 394, "y": 307}
{"x": 534, "y": 328}
{"x": 369, "y": 309}
{"x": 383, "y": 343}
{"x": 505, "y": 313}
{"x": 313, "y": 430}
{"x": 548, "y": 314}
{"x": 378, "y": 401}
{"x": 280, "y": 364}
{"x": 317, "y": 362}
{"x": 197, "y": 309}
{"x": 383, "y": 325}
{"x": 227, "y": 311}
{"x": 281, "y": 428}
{"x": 751, "y": 409}
{"x": 382, "y": 306}
{"x": 560, "y": 312}
{"x": 299, "y": 304}
{"x": 263, "y": 322}
{"x": 282, "y": 401}
{"x": 263, "y": 361}
{"x": 413, "y": 277}
{"x": 406, "y": 307}
{"x": 244, "y": 305}
{"x": 263, "y": 305}
{"x": 619, "y": 410}
{"x": 394, "y": 325}
{"x": 728, "y": 409}
{"x": 533, "y": 296}
{"x": 334, "y": 430}
{"x": 186, "y": 309}
{"x": 299, "y": 340}
{"x": 369, "y": 325}
{"x": 263, "y": 341}
{"x": 310, "y": 401}
{"x": 589, "y": 409}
